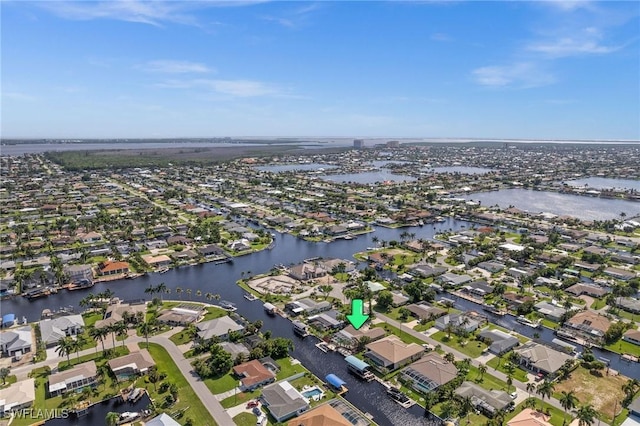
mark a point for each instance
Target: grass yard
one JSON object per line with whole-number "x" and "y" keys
{"x": 287, "y": 369}
{"x": 240, "y": 398}
{"x": 245, "y": 419}
{"x": 473, "y": 348}
{"x": 110, "y": 353}
{"x": 403, "y": 335}
{"x": 518, "y": 374}
{"x": 181, "y": 337}
{"x": 223, "y": 384}
{"x": 424, "y": 327}
{"x": 602, "y": 392}
{"x": 186, "y": 396}
{"x": 624, "y": 347}
{"x": 488, "y": 381}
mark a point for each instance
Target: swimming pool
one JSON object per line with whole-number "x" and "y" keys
{"x": 313, "y": 392}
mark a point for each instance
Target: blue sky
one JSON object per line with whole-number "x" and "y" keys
{"x": 510, "y": 69}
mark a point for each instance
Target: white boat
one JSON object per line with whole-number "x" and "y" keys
{"x": 269, "y": 308}
{"x": 249, "y": 296}
{"x": 300, "y": 328}
{"x": 163, "y": 270}
{"x": 228, "y": 306}
{"x": 526, "y": 321}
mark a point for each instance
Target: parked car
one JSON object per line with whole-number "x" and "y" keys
{"x": 257, "y": 411}
{"x": 253, "y": 404}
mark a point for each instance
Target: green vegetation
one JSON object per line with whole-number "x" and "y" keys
{"x": 106, "y": 355}
{"x": 557, "y": 415}
{"x": 469, "y": 347}
{"x": 501, "y": 365}
{"x": 287, "y": 369}
{"x": 245, "y": 419}
{"x": 403, "y": 335}
{"x": 623, "y": 347}
{"x": 186, "y": 396}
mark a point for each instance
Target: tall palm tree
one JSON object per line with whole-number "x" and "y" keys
{"x": 568, "y": 400}
{"x": 96, "y": 334}
{"x": 188, "y": 291}
{"x": 112, "y": 418}
{"x": 65, "y": 347}
{"x": 150, "y": 290}
{"x": 466, "y": 405}
{"x": 121, "y": 330}
{"x": 179, "y": 291}
{"x": 482, "y": 368}
{"x": 545, "y": 390}
{"x": 586, "y": 415}
{"x": 145, "y": 329}
{"x": 160, "y": 289}
{"x": 531, "y": 387}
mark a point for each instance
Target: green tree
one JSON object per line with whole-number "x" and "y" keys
{"x": 545, "y": 390}
{"x": 568, "y": 400}
{"x": 112, "y": 418}
{"x": 4, "y": 373}
{"x": 325, "y": 289}
{"x": 65, "y": 347}
{"x": 385, "y": 300}
{"x": 586, "y": 415}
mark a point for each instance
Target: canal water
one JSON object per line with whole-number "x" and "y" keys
{"x": 221, "y": 279}
{"x": 368, "y": 397}
{"x": 97, "y": 414}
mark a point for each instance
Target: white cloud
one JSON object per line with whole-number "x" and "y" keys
{"x": 19, "y": 96}
{"x": 140, "y": 11}
{"x": 440, "y": 37}
{"x": 519, "y": 75}
{"x": 568, "y": 5}
{"x": 296, "y": 17}
{"x": 174, "y": 67}
{"x": 572, "y": 46}
{"x": 235, "y": 88}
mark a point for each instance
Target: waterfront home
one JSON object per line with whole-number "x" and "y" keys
{"x": 349, "y": 336}
{"x": 307, "y": 306}
{"x": 252, "y": 375}
{"x": 529, "y": 417}
{"x": 210, "y": 250}
{"x": 428, "y": 373}
{"x": 75, "y": 378}
{"x": 162, "y": 420}
{"x": 477, "y": 288}
{"x": 219, "y": 327}
{"x": 423, "y": 310}
{"x": 181, "y": 316}
{"x": 454, "y": 280}
{"x": 391, "y": 353}
{"x": 239, "y": 245}
{"x": 17, "y": 396}
{"x": 550, "y": 311}
{"x": 283, "y": 401}
{"x": 514, "y": 300}
{"x": 488, "y": 402}
{"x": 499, "y": 342}
{"x": 458, "y": 321}
{"x": 113, "y": 267}
{"x": 115, "y": 312}
{"x": 587, "y": 324}
{"x": 159, "y": 261}
{"x": 235, "y": 349}
{"x": 426, "y": 271}
{"x": 131, "y": 365}
{"x": 52, "y": 330}
{"x": 307, "y": 271}
{"x": 16, "y": 341}
{"x": 540, "y": 358}
{"x": 79, "y": 273}
{"x": 632, "y": 336}
{"x": 326, "y": 321}
{"x": 325, "y": 415}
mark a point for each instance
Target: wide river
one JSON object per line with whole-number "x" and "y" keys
{"x": 221, "y": 279}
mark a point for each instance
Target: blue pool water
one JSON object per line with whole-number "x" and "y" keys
{"x": 311, "y": 393}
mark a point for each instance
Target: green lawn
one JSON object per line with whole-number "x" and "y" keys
{"x": 108, "y": 354}
{"x": 287, "y": 369}
{"x": 181, "y": 337}
{"x": 473, "y": 348}
{"x": 186, "y": 396}
{"x": 424, "y": 327}
{"x": 519, "y": 374}
{"x": 624, "y": 347}
{"x": 488, "y": 381}
{"x": 223, "y": 384}
{"x": 245, "y": 419}
{"x": 403, "y": 335}
{"x": 240, "y": 398}
{"x": 9, "y": 380}
{"x": 91, "y": 318}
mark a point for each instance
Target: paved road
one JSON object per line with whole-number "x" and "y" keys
{"x": 460, "y": 356}
{"x": 206, "y": 397}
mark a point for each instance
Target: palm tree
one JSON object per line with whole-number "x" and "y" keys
{"x": 545, "y": 390}
{"x": 160, "y": 289}
{"x": 112, "y": 418}
{"x": 78, "y": 343}
{"x": 198, "y": 293}
{"x": 145, "y": 329}
{"x": 150, "y": 290}
{"x": 482, "y": 369}
{"x": 65, "y": 347}
{"x": 466, "y": 405}
{"x": 325, "y": 289}
{"x": 530, "y": 388}
{"x": 97, "y": 334}
{"x": 188, "y": 291}
{"x": 121, "y": 330}
{"x": 179, "y": 291}
{"x": 568, "y": 401}
{"x": 509, "y": 382}
{"x": 586, "y": 415}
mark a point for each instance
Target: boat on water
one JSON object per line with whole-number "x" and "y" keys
{"x": 421, "y": 222}
{"x": 163, "y": 270}
{"x": 135, "y": 395}
{"x": 300, "y": 328}
{"x": 132, "y": 275}
{"x": 80, "y": 285}
{"x": 269, "y": 308}
{"x": 494, "y": 310}
{"x": 397, "y": 395}
{"x": 37, "y": 293}
{"x": 226, "y": 305}
{"x": 128, "y": 417}
{"x": 249, "y": 296}
{"x": 526, "y": 321}
{"x": 348, "y": 237}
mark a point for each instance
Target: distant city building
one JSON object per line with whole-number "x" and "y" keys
{"x": 358, "y": 143}
{"x": 393, "y": 144}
